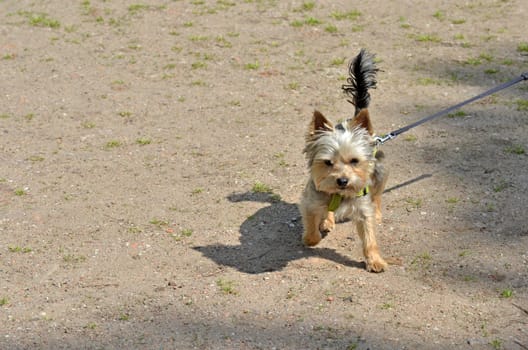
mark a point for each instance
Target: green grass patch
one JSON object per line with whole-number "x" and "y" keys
{"x": 501, "y": 186}
{"x": 72, "y": 258}
{"x": 439, "y": 15}
{"x": 458, "y": 21}
{"x": 515, "y": 149}
{"x": 226, "y": 286}
{"x": 506, "y": 293}
{"x": 223, "y": 4}
{"x": 112, "y": 144}
{"x": 297, "y": 23}
{"x": 486, "y": 57}
{"x": 522, "y": 47}
{"x": 404, "y": 23}
{"x": 293, "y": 85}
{"x": 338, "y": 61}
{"x": 496, "y": 344}
{"x": 464, "y": 253}
{"x": 427, "y": 38}
{"x": 428, "y": 81}
{"x": 350, "y": 15}
{"x": 307, "y": 6}
{"x": 135, "y": 8}
{"x": 91, "y": 325}
{"x": 386, "y": 306}
{"x": 280, "y": 157}
{"x": 18, "y": 249}
{"x": 223, "y": 42}
{"x": 40, "y": 19}
{"x": 197, "y": 190}
{"x": 522, "y": 105}
{"x": 252, "y": 66}
{"x": 35, "y": 158}
{"x": 142, "y": 141}
{"x": 20, "y": 192}
{"x": 198, "y": 65}
{"x": 332, "y": 29}
{"x": 311, "y": 21}
{"x": 457, "y": 114}
{"x": 198, "y": 83}
{"x": 186, "y": 232}
{"x": 410, "y": 138}
{"x": 413, "y": 203}
{"x": 158, "y": 222}
{"x": 473, "y": 61}
{"x": 423, "y": 260}
{"x": 260, "y": 187}
{"x": 198, "y": 38}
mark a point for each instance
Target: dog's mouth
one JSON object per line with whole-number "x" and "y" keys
{"x": 348, "y": 192}
{"x": 343, "y": 186}
{"x": 351, "y": 189}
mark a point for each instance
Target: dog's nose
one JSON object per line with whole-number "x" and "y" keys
{"x": 342, "y": 182}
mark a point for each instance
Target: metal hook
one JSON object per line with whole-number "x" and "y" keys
{"x": 380, "y": 140}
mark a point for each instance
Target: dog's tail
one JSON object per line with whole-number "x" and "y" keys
{"x": 362, "y": 71}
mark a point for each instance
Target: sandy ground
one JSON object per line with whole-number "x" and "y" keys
{"x": 151, "y": 162}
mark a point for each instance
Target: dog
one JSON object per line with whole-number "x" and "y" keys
{"x": 347, "y": 176}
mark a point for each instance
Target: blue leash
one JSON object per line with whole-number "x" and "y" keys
{"x": 391, "y": 135}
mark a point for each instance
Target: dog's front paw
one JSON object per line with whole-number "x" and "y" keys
{"x": 376, "y": 263}
{"x": 311, "y": 239}
{"x": 327, "y": 226}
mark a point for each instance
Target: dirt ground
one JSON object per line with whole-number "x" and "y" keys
{"x": 151, "y": 163}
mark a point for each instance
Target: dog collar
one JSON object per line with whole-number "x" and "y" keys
{"x": 335, "y": 200}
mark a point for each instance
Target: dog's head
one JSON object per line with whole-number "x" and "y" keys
{"x": 340, "y": 158}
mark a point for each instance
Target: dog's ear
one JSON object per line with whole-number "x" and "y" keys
{"x": 362, "y": 120}
{"x": 318, "y": 124}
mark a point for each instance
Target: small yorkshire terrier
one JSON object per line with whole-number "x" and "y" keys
{"x": 347, "y": 177}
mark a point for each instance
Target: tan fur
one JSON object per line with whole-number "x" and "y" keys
{"x": 334, "y": 162}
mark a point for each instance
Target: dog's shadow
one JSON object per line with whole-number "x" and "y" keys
{"x": 269, "y": 239}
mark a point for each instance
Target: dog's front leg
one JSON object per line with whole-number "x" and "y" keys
{"x": 311, "y": 221}
{"x": 328, "y": 224}
{"x": 373, "y": 259}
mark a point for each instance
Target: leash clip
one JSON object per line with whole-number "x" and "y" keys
{"x": 380, "y": 140}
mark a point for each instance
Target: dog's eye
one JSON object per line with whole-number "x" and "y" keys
{"x": 354, "y": 161}
{"x": 328, "y": 162}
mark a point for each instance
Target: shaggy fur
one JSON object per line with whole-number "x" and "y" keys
{"x": 342, "y": 160}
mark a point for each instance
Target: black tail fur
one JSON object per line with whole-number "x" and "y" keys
{"x": 362, "y": 71}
